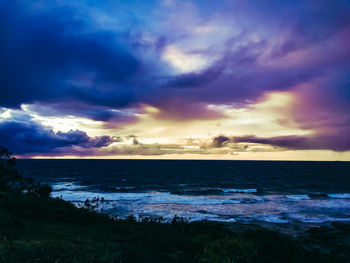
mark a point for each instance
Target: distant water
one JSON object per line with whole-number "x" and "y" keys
{"x": 228, "y": 191}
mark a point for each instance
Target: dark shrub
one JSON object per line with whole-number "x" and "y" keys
{"x": 10, "y": 179}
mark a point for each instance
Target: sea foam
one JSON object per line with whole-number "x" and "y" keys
{"x": 298, "y": 197}
{"x": 237, "y": 205}
{"x": 252, "y": 190}
{"x": 340, "y": 195}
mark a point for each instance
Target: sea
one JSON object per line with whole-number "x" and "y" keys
{"x": 226, "y": 191}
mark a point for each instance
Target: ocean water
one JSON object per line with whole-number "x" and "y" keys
{"x": 227, "y": 191}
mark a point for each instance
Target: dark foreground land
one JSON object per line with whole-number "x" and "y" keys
{"x": 37, "y": 228}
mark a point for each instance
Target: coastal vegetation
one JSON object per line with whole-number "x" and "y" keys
{"x": 35, "y": 227}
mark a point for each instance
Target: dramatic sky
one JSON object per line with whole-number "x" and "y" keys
{"x": 203, "y": 79}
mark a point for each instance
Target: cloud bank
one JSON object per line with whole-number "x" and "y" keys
{"x": 25, "y": 136}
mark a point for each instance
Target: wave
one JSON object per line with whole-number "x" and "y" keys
{"x": 298, "y": 197}
{"x": 152, "y": 198}
{"x": 197, "y": 191}
{"x": 317, "y": 218}
{"x": 211, "y": 191}
{"x": 271, "y": 219}
{"x": 340, "y": 195}
{"x": 67, "y": 186}
{"x": 227, "y": 207}
{"x": 319, "y": 196}
{"x": 233, "y": 190}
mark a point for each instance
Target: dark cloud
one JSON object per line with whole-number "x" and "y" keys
{"x": 52, "y": 56}
{"x": 196, "y": 79}
{"x": 23, "y": 135}
{"x": 292, "y": 142}
{"x": 134, "y": 139}
{"x": 220, "y": 141}
{"x": 94, "y": 112}
{"x": 178, "y": 109}
{"x": 317, "y": 142}
{"x": 239, "y": 77}
{"x": 295, "y": 142}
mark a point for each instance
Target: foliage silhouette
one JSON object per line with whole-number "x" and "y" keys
{"x": 11, "y": 179}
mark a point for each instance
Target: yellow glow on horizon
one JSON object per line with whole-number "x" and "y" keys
{"x": 302, "y": 155}
{"x": 192, "y": 139}
{"x": 259, "y": 119}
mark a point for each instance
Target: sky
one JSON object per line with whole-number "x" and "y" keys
{"x": 200, "y": 79}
